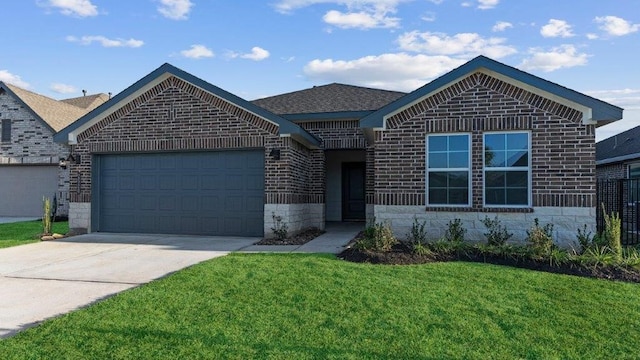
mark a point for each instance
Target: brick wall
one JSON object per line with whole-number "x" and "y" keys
{"x": 176, "y": 116}
{"x": 337, "y": 134}
{"x": 612, "y": 171}
{"x": 563, "y": 149}
{"x": 32, "y": 143}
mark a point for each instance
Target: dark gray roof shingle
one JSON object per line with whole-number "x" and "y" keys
{"x": 621, "y": 145}
{"x": 328, "y": 98}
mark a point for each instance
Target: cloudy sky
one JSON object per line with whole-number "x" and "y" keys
{"x": 255, "y": 49}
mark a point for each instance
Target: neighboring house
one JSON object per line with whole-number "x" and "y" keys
{"x": 618, "y": 157}
{"x": 29, "y": 158}
{"x": 175, "y": 154}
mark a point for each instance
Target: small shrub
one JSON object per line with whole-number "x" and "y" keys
{"x": 280, "y": 228}
{"x": 540, "y": 238}
{"x": 417, "y": 237}
{"x": 46, "y": 216}
{"x": 421, "y": 249}
{"x": 631, "y": 257}
{"x": 611, "y": 233}
{"x": 558, "y": 257}
{"x": 455, "y": 232}
{"x": 496, "y": 234}
{"x": 585, "y": 240}
{"x": 597, "y": 256}
{"x": 377, "y": 237}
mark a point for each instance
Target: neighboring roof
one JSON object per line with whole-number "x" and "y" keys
{"x": 285, "y": 126}
{"x": 53, "y": 113}
{"x": 600, "y": 110}
{"x": 620, "y": 147}
{"x": 88, "y": 102}
{"x": 331, "y": 98}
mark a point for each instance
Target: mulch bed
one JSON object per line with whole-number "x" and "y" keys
{"x": 299, "y": 238}
{"x": 401, "y": 254}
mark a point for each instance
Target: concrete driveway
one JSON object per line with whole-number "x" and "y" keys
{"x": 46, "y": 279}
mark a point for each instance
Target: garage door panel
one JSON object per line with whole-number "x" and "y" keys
{"x": 212, "y": 193}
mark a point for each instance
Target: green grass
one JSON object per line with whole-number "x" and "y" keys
{"x": 276, "y": 306}
{"x": 27, "y": 232}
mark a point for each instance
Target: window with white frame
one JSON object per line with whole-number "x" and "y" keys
{"x": 507, "y": 169}
{"x": 448, "y": 170}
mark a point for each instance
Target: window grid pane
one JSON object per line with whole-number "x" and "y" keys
{"x": 506, "y": 170}
{"x": 448, "y": 169}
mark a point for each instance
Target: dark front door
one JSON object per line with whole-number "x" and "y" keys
{"x": 353, "y": 190}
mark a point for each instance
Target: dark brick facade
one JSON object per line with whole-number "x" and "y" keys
{"x": 612, "y": 171}
{"x": 177, "y": 116}
{"x": 563, "y": 149}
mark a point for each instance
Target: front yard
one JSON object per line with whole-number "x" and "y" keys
{"x": 20, "y": 233}
{"x": 315, "y": 307}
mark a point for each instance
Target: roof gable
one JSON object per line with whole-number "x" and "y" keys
{"x": 593, "y": 109}
{"x": 331, "y": 98}
{"x": 70, "y": 133}
{"x": 53, "y": 113}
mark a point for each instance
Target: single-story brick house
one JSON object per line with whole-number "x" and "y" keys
{"x": 173, "y": 153}
{"x": 618, "y": 157}
{"x": 29, "y": 157}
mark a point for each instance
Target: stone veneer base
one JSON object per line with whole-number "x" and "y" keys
{"x": 565, "y": 220}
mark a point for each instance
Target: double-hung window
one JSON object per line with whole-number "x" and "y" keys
{"x": 507, "y": 169}
{"x": 448, "y": 170}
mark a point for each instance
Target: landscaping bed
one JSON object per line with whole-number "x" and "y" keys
{"x": 402, "y": 254}
{"x": 299, "y": 238}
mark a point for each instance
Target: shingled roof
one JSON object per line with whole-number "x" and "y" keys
{"x": 88, "y": 102}
{"x": 620, "y": 147}
{"x": 328, "y": 98}
{"x": 54, "y": 113}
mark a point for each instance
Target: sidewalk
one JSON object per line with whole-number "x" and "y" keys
{"x": 333, "y": 241}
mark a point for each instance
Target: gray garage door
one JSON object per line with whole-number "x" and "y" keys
{"x": 200, "y": 193}
{"x": 22, "y": 188}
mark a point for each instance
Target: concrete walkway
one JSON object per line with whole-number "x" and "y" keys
{"x": 46, "y": 279}
{"x": 13, "y": 219}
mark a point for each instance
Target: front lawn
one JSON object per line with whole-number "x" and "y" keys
{"x": 20, "y": 233}
{"x": 317, "y": 307}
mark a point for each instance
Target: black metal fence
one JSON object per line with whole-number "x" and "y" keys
{"x": 623, "y": 197}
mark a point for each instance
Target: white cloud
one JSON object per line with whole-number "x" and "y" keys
{"x": 257, "y": 54}
{"x": 592, "y": 36}
{"x": 360, "y": 20}
{"x": 463, "y": 44}
{"x": 428, "y": 17}
{"x": 616, "y": 26}
{"x": 437, "y": 2}
{"x": 106, "y": 42}
{"x": 10, "y": 78}
{"x": 629, "y": 99}
{"x": 360, "y": 14}
{"x": 564, "y": 56}
{"x": 487, "y": 4}
{"x": 63, "y": 88}
{"x": 501, "y": 26}
{"x": 175, "y": 9}
{"x": 197, "y": 51}
{"x": 466, "y": 4}
{"x": 81, "y": 8}
{"x": 398, "y": 71}
{"x": 556, "y": 28}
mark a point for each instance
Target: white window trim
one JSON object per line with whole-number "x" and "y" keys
{"x": 528, "y": 168}
{"x": 467, "y": 169}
